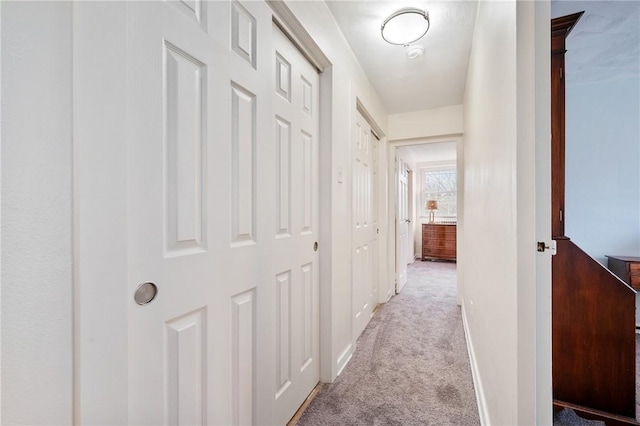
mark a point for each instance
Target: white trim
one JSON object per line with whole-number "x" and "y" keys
{"x": 100, "y": 152}
{"x": 1, "y": 133}
{"x": 436, "y": 165}
{"x": 483, "y": 411}
{"x": 295, "y": 31}
{"x": 450, "y": 137}
{"x": 377, "y": 131}
{"x": 344, "y": 358}
{"x": 390, "y": 293}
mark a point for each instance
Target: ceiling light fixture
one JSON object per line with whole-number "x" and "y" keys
{"x": 405, "y": 26}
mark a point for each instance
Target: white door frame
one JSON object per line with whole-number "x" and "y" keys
{"x": 393, "y": 194}
{"x": 100, "y": 200}
{"x": 535, "y": 395}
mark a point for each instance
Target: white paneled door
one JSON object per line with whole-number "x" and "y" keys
{"x": 364, "y": 225}
{"x": 402, "y": 216}
{"x": 222, "y": 204}
{"x": 295, "y": 255}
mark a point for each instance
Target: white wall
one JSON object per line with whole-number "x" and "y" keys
{"x": 37, "y": 369}
{"x": 348, "y": 82}
{"x": 603, "y": 166}
{"x": 499, "y": 222}
{"x": 427, "y": 123}
{"x": 489, "y": 299}
{"x": 602, "y": 199}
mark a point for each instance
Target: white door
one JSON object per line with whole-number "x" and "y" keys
{"x": 364, "y": 225}
{"x": 295, "y": 260}
{"x": 195, "y": 229}
{"x": 410, "y": 218}
{"x": 222, "y": 216}
{"x": 403, "y": 225}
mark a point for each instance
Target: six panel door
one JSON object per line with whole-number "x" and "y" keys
{"x": 364, "y": 225}
{"x": 295, "y": 255}
{"x": 222, "y": 175}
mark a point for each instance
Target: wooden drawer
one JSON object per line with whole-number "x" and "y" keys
{"x": 436, "y": 250}
{"x": 440, "y": 244}
{"x": 627, "y": 268}
{"x": 439, "y": 227}
{"x": 635, "y": 281}
{"x": 438, "y": 241}
{"x": 439, "y": 236}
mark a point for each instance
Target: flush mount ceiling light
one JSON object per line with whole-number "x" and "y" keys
{"x": 405, "y": 26}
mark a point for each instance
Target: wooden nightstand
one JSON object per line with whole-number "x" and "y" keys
{"x": 627, "y": 268}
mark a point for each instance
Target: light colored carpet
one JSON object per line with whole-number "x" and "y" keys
{"x": 568, "y": 417}
{"x": 411, "y": 366}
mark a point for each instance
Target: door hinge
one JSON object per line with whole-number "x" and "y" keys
{"x": 561, "y": 72}
{"x": 561, "y": 216}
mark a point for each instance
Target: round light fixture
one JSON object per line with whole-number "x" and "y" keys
{"x": 405, "y": 26}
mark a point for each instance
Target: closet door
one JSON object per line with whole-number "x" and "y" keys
{"x": 364, "y": 225}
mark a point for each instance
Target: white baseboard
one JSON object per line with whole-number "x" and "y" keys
{"x": 390, "y": 293}
{"x": 344, "y": 358}
{"x": 477, "y": 382}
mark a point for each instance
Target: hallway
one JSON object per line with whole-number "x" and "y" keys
{"x": 411, "y": 366}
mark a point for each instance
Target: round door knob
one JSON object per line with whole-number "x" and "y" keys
{"x": 315, "y": 246}
{"x": 145, "y": 293}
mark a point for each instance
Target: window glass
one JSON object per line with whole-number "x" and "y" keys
{"x": 440, "y": 185}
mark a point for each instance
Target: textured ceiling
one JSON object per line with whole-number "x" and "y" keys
{"x": 433, "y": 80}
{"x": 605, "y": 43}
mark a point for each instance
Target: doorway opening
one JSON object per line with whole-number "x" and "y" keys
{"x": 427, "y": 190}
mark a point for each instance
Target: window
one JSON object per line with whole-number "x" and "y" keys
{"x": 440, "y": 185}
